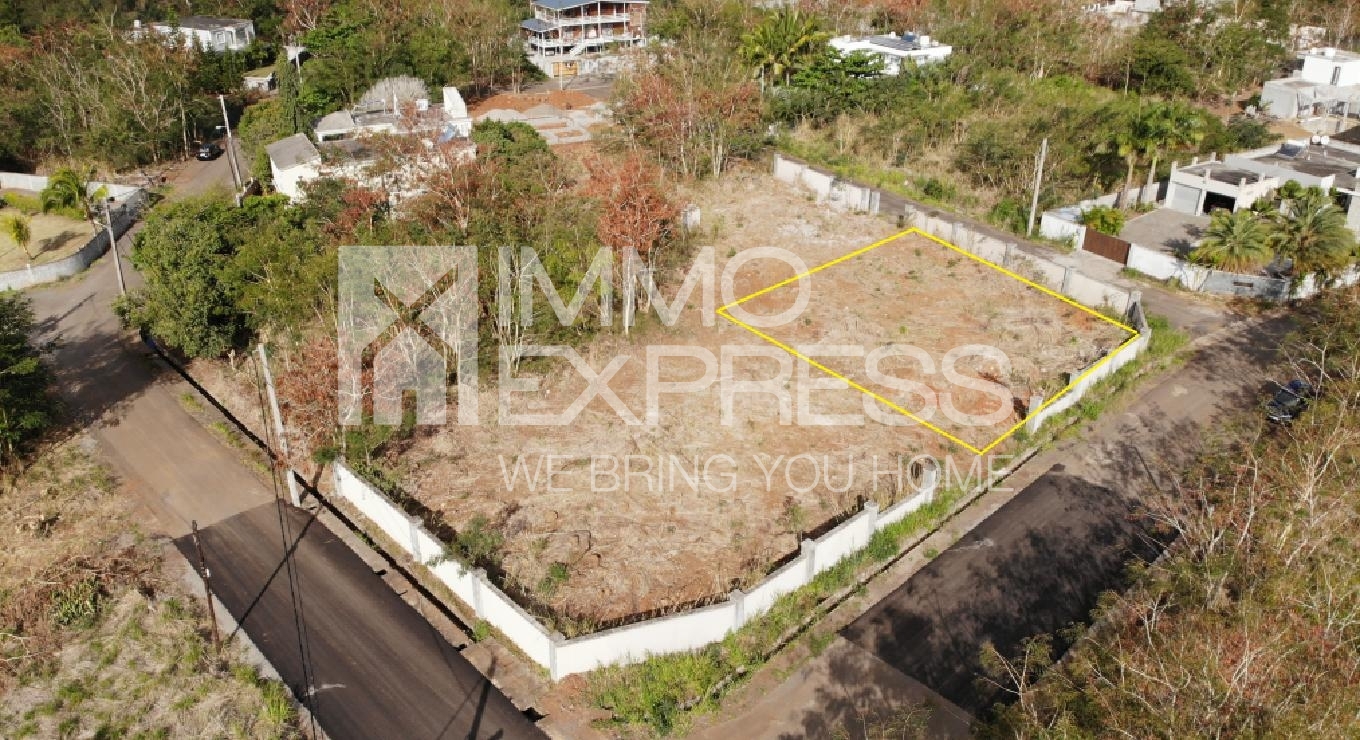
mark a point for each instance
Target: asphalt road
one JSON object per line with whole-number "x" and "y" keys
{"x": 1041, "y": 561}
{"x": 375, "y": 667}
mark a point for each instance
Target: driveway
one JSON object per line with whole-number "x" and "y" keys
{"x": 1013, "y": 564}
{"x": 366, "y": 662}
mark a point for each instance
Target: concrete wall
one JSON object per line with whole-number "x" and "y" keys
{"x": 829, "y": 189}
{"x": 1097, "y": 371}
{"x": 682, "y": 632}
{"x": 129, "y": 202}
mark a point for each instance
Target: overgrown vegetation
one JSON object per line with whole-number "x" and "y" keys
{"x": 94, "y": 639}
{"x": 1247, "y": 627}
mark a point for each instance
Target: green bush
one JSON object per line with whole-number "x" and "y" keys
{"x": 1104, "y": 219}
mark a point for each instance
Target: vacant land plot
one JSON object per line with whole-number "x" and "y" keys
{"x": 611, "y": 513}
{"x": 939, "y": 322}
{"x": 53, "y": 238}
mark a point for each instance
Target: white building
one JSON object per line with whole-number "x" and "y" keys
{"x": 893, "y": 50}
{"x": 398, "y": 106}
{"x": 209, "y": 34}
{"x": 1328, "y": 83}
{"x": 292, "y": 162}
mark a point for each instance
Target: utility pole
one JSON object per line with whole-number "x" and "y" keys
{"x": 231, "y": 150}
{"x": 207, "y": 590}
{"x": 113, "y": 247}
{"x": 1038, "y": 180}
{"x": 280, "y": 460}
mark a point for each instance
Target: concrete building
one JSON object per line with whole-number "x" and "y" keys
{"x": 293, "y": 162}
{"x": 1240, "y": 179}
{"x": 895, "y": 51}
{"x": 566, "y": 38}
{"x": 397, "y": 106}
{"x": 1327, "y": 84}
{"x": 209, "y": 34}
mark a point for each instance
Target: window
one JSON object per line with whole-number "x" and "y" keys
{"x": 1336, "y": 75}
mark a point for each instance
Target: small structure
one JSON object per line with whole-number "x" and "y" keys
{"x": 895, "y": 51}
{"x": 1125, "y": 14}
{"x": 260, "y": 80}
{"x": 1328, "y": 83}
{"x": 566, "y": 38}
{"x": 293, "y": 161}
{"x": 208, "y": 34}
{"x": 399, "y": 105}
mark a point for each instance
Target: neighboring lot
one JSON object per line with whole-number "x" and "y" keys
{"x": 597, "y": 550}
{"x": 54, "y": 238}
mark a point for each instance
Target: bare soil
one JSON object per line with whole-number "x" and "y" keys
{"x": 601, "y": 545}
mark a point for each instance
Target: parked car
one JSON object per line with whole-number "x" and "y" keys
{"x": 209, "y": 151}
{"x": 1289, "y": 401}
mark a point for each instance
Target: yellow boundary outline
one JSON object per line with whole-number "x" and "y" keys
{"x": 1134, "y": 334}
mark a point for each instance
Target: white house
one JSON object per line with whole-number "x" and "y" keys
{"x": 209, "y": 34}
{"x": 894, "y": 50}
{"x": 292, "y": 162}
{"x": 399, "y": 106}
{"x": 1329, "y": 82}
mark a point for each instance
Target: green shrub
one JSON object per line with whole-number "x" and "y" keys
{"x": 1104, "y": 219}
{"x": 29, "y": 205}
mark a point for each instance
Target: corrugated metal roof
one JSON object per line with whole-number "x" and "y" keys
{"x": 567, "y": 4}
{"x": 537, "y": 25}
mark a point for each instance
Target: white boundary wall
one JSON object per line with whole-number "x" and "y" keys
{"x": 829, "y": 189}
{"x": 1104, "y": 367}
{"x": 630, "y": 643}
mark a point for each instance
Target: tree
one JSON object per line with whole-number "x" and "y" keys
{"x": 26, "y": 403}
{"x": 188, "y": 300}
{"x": 782, "y": 44}
{"x": 1236, "y": 241}
{"x": 67, "y": 192}
{"x": 1170, "y": 127}
{"x": 16, "y": 226}
{"x": 1311, "y": 230}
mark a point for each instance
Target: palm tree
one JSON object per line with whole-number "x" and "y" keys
{"x": 782, "y": 42}
{"x": 66, "y": 190}
{"x": 1236, "y": 241}
{"x": 17, "y": 227}
{"x": 1311, "y": 230}
{"x": 1171, "y": 126}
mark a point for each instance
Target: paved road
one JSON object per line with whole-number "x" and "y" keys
{"x": 1041, "y": 561}
{"x": 376, "y": 668}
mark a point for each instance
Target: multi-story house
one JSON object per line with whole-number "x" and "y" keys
{"x": 570, "y": 37}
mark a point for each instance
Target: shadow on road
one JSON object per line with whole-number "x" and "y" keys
{"x": 1035, "y": 566}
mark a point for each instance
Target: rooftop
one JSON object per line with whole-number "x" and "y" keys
{"x": 569, "y": 4}
{"x": 1339, "y": 55}
{"x": 203, "y": 23}
{"x": 292, "y": 151}
{"x": 1319, "y": 161}
{"x": 1221, "y": 172}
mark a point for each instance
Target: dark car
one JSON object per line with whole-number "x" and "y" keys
{"x": 209, "y": 151}
{"x": 1289, "y": 401}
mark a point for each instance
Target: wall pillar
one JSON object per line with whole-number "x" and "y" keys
{"x": 738, "y": 600}
{"x": 478, "y": 583}
{"x": 809, "y": 554}
{"x": 1066, "y": 280}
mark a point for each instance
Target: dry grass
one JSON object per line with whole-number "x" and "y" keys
{"x": 54, "y": 237}
{"x": 96, "y": 639}
{"x": 659, "y": 542}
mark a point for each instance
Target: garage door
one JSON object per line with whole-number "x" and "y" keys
{"x": 1185, "y": 200}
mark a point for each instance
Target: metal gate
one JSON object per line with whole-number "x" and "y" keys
{"x": 1105, "y": 246}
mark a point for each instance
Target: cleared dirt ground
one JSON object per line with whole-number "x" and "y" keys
{"x": 600, "y": 544}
